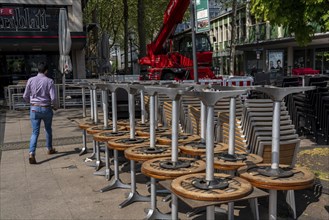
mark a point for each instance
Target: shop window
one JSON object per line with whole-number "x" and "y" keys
{"x": 322, "y": 60}
{"x": 303, "y": 58}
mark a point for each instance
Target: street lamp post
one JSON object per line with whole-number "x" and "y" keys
{"x": 131, "y": 38}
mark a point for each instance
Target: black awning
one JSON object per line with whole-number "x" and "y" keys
{"x": 44, "y": 41}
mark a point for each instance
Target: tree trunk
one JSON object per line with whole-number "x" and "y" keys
{"x": 95, "y": 40}
{"x": 233, "y": 40}
{"x": 248, "y": 21}
{"x": 141, "y": 33}
{"x": 141, "y": 28}
{"x": 125, "y": 15}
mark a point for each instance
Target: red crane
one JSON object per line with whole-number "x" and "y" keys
{"x": 170, "y": 57}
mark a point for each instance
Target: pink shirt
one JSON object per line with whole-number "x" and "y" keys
{"x": 40, "y": 90}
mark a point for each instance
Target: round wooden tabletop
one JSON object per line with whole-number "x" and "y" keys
{"x": 302, "y": 178}
{"x": 182, "y": 138}
{"x": 81, "y": 119}
{"x": 138, "y": 122}
{"x": 237, "y": 187}
{"x": 124, "y": 142}
{"x": 222, "y": 164}
{"x": 143, "y": 153}
{"x": 106, "y": 136}
{"x": 154, "y": 168}
{"x": 158, "y": 131}
{"x": 198, "y": 149}
{"x": 101, "y": 128}
{"x": 85, "y": 125}
{"x": 138, "y": 127}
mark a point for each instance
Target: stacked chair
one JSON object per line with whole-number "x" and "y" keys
{"x": 291, "y": 81}
{"x": 194, "y": 118}
{"x": 252, "y": 134}
{"x": 160, "y": 99}
{"x": 185, "y": 117}
{"x": 256, "y": 126}
{"x": 222, "y": 129}
{"x": 190, "y": 116}
{"x": 308, "y": 110}
{"x": 223, "y": 132}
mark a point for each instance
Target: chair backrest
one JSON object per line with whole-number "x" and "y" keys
{"x": 310, "y": 80}
{"x": 194, "y": 116}
{"x": 262, "y": 79}
{"x": 259, "y": 140}
{"x": 288, "y": 152}
{"x": 185, "y": 101}
{"x": 147, "y": 104}
{"x": 167, "y": 113}
{"x": 265, "y": 135}
{"x": 251, "y": 138}
{"x": 223, "y": 133}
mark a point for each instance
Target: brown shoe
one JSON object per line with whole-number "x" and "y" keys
{"x": 32, "y": 159}
{"x": 52, "y": 151}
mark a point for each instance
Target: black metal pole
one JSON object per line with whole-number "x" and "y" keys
{"x": 195, "y": 62}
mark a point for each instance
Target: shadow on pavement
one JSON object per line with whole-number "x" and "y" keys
{"x": 58, "y": 155}
{"x": 304, "y": 198}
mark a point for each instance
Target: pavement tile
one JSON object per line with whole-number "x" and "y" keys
{"x": 12, "y": 179}
{"x": 19, "y": 169}
{"x": 10, "y": 211}
{"x": 9, "y": 138}
{"x": 50, "y": 208}
{"x": 12, "y": 158}
{"x": 10, "y": 198}
{"x": 91, "y": 210}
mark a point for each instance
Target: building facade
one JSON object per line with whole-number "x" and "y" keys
{"x": 29, "y": 34}
{"x": 261, "y": 47}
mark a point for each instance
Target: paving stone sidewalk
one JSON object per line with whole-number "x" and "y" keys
{"x": 62, "y": 186}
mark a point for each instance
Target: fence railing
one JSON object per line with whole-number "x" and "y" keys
{"x": 73, "y": 94}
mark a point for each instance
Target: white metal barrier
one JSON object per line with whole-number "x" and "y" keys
{"x": 238, "y": 81}
{"x": 73, "y": 95}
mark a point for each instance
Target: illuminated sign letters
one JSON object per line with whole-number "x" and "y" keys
{"x": 27, "y": 19}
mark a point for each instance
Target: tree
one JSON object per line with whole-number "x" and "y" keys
{"x": 102, "y": 13}
{"x": 125, "y": 32}
{"x": 300, "y": 17}
{"x": 141, "y": 28}
{"x": 233, "y": 37}
{"x": 144, "y": 17}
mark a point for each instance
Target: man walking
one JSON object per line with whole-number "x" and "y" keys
{"x": 40, "y": 93}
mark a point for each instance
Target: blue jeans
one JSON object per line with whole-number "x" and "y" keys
{"x": 38, "y": 114}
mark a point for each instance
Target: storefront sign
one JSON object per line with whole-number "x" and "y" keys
{"x": 202, "y": 16}
{"x": 28, "y": 19}
{"x": 6, "y": 11}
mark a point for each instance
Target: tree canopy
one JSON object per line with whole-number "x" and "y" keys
{"x": 110, "y": 17}
{"x": 301, "y": 17}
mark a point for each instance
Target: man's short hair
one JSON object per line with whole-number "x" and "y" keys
{"x": 42, "y": 67}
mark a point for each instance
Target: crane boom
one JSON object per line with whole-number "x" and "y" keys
{"x": 177, "y": 64}
{"x": 173, "y": 16}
